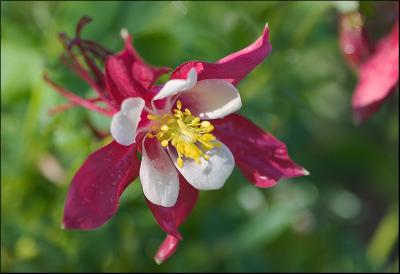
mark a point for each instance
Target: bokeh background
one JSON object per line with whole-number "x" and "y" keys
{"x": 343, "y": 217}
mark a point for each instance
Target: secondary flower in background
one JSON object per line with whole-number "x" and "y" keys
{"x": 353, "y": 39}
{"x": 377, "y": 65}
{"x": 185, "y": 130}
{"x": 378, "y": 76}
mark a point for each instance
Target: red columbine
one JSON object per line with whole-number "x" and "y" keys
{"x": 377, "y": 66}
{"x": 185, "y": 130}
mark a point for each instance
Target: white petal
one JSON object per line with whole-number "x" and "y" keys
{"x": 212, "y": 99}
{"x": 124, "y": 123}
{"x": 210, "y": 174}
{"x": 176, "y": 86}
{"x": 159, "y": 178}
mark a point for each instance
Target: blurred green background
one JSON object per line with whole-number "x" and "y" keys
{"x": 343, "y": 217}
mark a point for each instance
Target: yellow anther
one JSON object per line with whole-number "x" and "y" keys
{"x": 195, "y": 121}
{"x": 179, "y": 104}
{"x": 160, "y": 135}
{"x": 179, "y": 162}
{"x": 164, "y": 143}
{"x": 205, "y": 124}
{"x": 150, "y": 135}
{"x": 164, "y": 128}
{"x": 207, "y": 137}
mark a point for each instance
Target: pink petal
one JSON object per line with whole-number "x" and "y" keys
{"x": 261, "y": 157}
{"x": 167, "y": 248}
{"x": 142, "y": 72}
{"x": 352, "y": 39}
{"x": 127, "y": 75}
{"x": 378, "y": 75}
{"x": 233, "y": 67}
{"x": 170, "y": 218}
{"x": 95, "y": 190}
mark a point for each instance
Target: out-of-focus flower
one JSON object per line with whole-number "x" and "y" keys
{"x": 353, "y": 39}
{"x": 377, "y": 65}
{"x": 377, "y": 77}
{"x": 185, "y": 130}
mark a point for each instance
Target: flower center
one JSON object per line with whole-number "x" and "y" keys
{"x": 190, "y": 136}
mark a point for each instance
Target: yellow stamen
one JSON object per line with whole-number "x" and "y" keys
{"x": 179, "y": 162}
{"x": 152, "y": 117}
{"x": 205, "y": 124}
{"x": 164, "y": 143}
{"x": 179, "y": 104}
{"x": 190, "y": 136}
{"x": 164, "y": 128}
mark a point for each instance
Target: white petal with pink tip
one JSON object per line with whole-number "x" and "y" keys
{"x": 159, "y": 178}
{"x": 175, "y": 86}
{"x": 212, "y": 99}
{"x": 125, "y": 122}
{"x": 211, "y": 174}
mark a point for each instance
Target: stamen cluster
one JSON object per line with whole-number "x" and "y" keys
{"x": 190, "y": 136}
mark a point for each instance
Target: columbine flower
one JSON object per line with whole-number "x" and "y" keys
{"x": 185, "y": 130}
{"x": 377, "y": 66}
